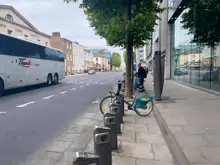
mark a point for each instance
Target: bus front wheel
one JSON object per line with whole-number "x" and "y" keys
{"x": 1, "y": 87}
{"x": 49, "y": 80}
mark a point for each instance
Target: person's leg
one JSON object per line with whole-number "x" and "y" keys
{"x": 142, "y": 85}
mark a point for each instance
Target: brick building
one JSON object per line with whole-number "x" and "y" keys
{"x": 64, "y": 44}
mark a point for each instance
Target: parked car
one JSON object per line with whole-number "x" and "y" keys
{"x": 181, "y": 71}
{"x": 91, "y": 71}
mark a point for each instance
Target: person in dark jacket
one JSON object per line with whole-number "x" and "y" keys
{"x": 141, "y": 75}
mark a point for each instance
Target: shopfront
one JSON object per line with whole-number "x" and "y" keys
{"x": 192, "y": 63}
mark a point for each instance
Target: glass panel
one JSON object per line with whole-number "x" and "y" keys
{"x": 194, "y": 60}
{"x": 215, "y": 74}
{"x": 205, "y": 64}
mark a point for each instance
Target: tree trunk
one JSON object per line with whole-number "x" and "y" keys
{"x": 129, "y": 52}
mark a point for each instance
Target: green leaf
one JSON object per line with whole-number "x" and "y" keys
{"x": 108, "y": 19}
{"x": 202, "y": 19}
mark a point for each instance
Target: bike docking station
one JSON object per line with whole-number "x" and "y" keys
{"x": 110, "y": 122}
{"x": 102, "y": 145}
{"x": 116, "y": 109}
{"x": 118, "y": 101}
{"x": 85, "y": 158}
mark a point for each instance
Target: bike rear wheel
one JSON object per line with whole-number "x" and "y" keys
{"x": 105, "y": 103}
{"x": 147, "y": 110}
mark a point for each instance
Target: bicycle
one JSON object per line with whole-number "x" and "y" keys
{"x": 141, "y": 103}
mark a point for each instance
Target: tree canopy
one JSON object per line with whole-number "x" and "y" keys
{"x": 203, "y": 21}
{"x": 109, "y": 20}
{"x": 116, "y": 59}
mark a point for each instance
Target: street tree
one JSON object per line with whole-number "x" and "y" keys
{"x": 116, "y": 59}
{"x": 202, "y": 19}
{"x": 123, "y": 23}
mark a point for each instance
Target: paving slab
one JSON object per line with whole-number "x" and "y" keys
{"x": 89, "y": 115}
{"x": 152, "y": 162}
{"x": 128, "y": 136}
{"x": 161, "y": 152}
{"x": 137, "y": 127}
{"x": 194, "y": 155}
{"x": 122, "y": 161}
{"x": 50, "y": 158}
{"x": 136, "y": 150}
{"x": 142, "y": 137}
{"x": 60, "y": 146}
{"x": 213, "y": 139}
{"x": 211, "y": 153}
{"x": 69, "y": 137}
{"x": 83, "y": 122}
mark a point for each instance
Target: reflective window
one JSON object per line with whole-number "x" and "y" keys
{"x": 194, "y": 64}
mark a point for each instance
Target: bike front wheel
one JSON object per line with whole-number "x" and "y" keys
{"x": 105, "y": 104}
{"x": 146, "y": 110}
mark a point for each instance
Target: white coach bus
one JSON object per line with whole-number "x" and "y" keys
{"x": 24, "y": 63}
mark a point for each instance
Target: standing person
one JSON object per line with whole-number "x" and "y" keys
{"x": 141, "y": 75}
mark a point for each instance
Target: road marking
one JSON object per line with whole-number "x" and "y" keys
{"x": 81, "y": 86}
{"x": 3, "y": 113}
{"x": 26, "y": 104}
{"x": 48, "y": 97}
{"x": 63, "y": 92}
{"x": 73, "y": 89}
{"x": 87, "y": 84}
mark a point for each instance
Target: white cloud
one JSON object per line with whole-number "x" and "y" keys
{"x": 55, "y": 15}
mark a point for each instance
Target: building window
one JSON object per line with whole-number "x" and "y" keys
{"x": 9, "y": 17}
{"x": 46, "y": 43}
{"x": 26, "y": 35}
{"x": 67, "y": 45}
{"x": 96, "y": 59}
{"x": 9, "y": 32}
{"x": 70, "y": 46}
{"x": 33, "y": 36}
{"x": 38, "y": 40}
{"x": 18, "y": 31}
{"x": 2, "y": 25}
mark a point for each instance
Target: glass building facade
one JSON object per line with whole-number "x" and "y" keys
{"x": 194, "y": 64}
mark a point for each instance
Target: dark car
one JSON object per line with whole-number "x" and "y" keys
{"x": 181, "y": 71}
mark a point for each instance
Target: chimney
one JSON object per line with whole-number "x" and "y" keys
{"x": 57, "y": 34}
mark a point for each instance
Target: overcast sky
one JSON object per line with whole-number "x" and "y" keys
{"x": 55, "y": 15}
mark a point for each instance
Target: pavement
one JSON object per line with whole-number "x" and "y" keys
{"x": 189, "y": 119}
{"x": 140, "y": 143}
{"x": 31, "y": 119}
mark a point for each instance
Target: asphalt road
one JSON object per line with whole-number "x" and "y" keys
{"x": 31, "y": 118}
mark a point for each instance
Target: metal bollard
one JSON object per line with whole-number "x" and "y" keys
{"x": 102, "y": 145}
{"x": 115, "y": 109}
{"x": 110, "y": 122}
{"x": 123, "y": 104}
{"x": 86, "y": 158}
{"x": 118, "y": 101}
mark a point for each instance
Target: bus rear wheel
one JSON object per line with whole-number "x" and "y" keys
{"x": 1, "y": 88}
{"x": 56, "y": 79}
{"x": 49, "y": 80}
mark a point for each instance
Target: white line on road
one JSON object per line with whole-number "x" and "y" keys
{"x": 63, "y": 92}
{"x": 81, "y": 86}
{"x": 3, "y": 113}
{"x": 87, "y": 84}
{"x": 73, "y": 89}
{"x": 26, "y": 104}
{"x": 48, "y": 97}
